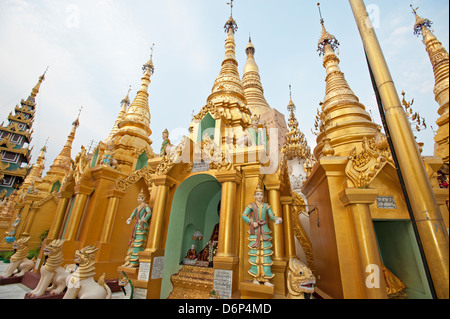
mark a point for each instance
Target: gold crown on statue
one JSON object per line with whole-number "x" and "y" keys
{"x": 141, "y": 193}
{"x": 258, "y": 189}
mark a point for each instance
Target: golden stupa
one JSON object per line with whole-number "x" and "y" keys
{"x": 342, "y": 205}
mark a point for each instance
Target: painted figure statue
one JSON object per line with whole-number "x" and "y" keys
{"x": 108, "y": 159}
{"x": 138, "y": 239}
{"x": 256, "y": 215}
{"x": 12, "y": 232}
{"x": 166, "y": 145}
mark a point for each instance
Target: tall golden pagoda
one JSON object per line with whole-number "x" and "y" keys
{"x": 338, "y": 211}
{"x": 251, "y": 80}
{"x": 440, "y": 62}
{"x": 345, "y": 120}
{"x": 134, "y": 131}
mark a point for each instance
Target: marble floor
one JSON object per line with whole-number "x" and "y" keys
{"x": 18, "y": 291}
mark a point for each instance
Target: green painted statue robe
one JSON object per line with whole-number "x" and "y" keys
{"x": 260, "y": 241}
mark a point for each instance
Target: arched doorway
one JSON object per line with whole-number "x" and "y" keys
{"x": 194, "y": 207}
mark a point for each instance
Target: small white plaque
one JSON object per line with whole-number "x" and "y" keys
{"x": 37, "y": 263}
{"x": 158, "y": 266}
{"x": 386, "y": 202}
{"x": 200, "y": 167}
{"x": 140, "y": 293}
{"x": 223, "y": 281}
{"x": 144, "y": 271}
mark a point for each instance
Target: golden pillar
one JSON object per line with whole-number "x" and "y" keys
{"x": 371, "y": 277}
{"x": 289, "y": 245}
{"x": 114, "y": 197}
{"x": 163, "y": 183}
{"x": 29, "y": 221}
{"x": 227, "y": 248}
{"x": 82, "y": 193}
{"x": 228, "y": 217}
{"x": 55, "y": 228}
{"x": 426, "y": 212}
{"x": 152, "y": 287}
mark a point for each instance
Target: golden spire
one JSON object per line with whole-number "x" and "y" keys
{"x": 124, "y": 106}
{"x": 295, "y": 144}
{"x": 229, "y": 80}
{"x": 62, "y": 162}
{"x": 36, "y": 170}
{"x": 346, "y": 121}
{"x": 35, "y": 90}
{"x": 253, "y": 89}
{"x": 440, "y": 61}
{"x": 137, "y": 118}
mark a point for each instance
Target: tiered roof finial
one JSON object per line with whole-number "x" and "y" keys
{"x": 77, "y": 121}
{"x": 149, "y": 65}
{"x": 326, "y": 38}
{"x": 35, "y": 90}
{"x": 420, "y": 22}
{"x": 295, "y": 145}
{"x": 126, "y": 99}
{"x": 231, "y": 24}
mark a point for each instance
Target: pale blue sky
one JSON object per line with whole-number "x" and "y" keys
{"x": 95, "y": 50}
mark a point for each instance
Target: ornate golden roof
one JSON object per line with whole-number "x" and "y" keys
{"x": 440, "y": 62}
{"x": 344, "y": 120}
{"x": 62, "y": 163}
{"x": 295, "y": 145}
{"x": 253, "y": 89}
{"x": 35, "y": 90}
{"x": 136, "y": 120}
{"x": 123, "y": 110}
{"x": 229, "y": 83}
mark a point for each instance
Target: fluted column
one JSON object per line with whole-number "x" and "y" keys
{"x": 163, "y": 184}
{"x": 228, "y": 217}
{"x": 289, "y": 244}
{"x": 358, "y": 200}
{"x": 82, "y": 193}
{"x": 55, "y": 228}
{"x": 114, "y": 197}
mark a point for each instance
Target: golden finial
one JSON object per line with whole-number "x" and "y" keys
{"x": 35, "y": 90}
{"x": 420, "y": 22}
{"x": 126, "y": 99}
{"x": 325, "y": 38}
{"x": 44, "y": 148}
{"x": 291, "y": 105}
{"x": 231, "y": 6}
{"x": 231, "y": 24}
{"x": 250, "y": 49}
{"x": 149, "y": 65}
{"x": 320, "y": 13}
{"x": 77, "y": 121}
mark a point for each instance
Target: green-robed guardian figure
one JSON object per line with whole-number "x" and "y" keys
{"x": 138, "y": 239}
{"x": 257, "y": 216}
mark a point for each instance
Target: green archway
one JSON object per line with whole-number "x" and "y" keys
{"x": 194, "y": 206}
